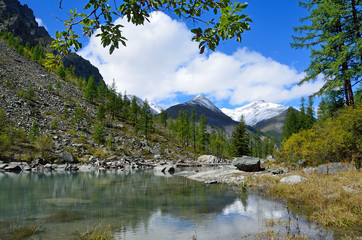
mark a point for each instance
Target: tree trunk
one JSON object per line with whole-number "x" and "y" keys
{"x": 348, "y": 87}
{"x": 350, "y": 93}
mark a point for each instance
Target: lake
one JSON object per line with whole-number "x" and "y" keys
{"x": 140, "y": 205}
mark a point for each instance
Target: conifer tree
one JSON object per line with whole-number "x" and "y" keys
{"x": 310, "y": 114}
{"x": 102, "y": 92}
{"x": 146, "y": 123}
{"x": 240, "y": 140}
{"x": 302, "y": 117}
{"x": 332, "y": 32}
{"x": 79, "y": 113}
{"x": 111, "y": 101}
{"x": 126, "y": 107}
{"x": 163, "y": 118}
{"x": 34, "y": 130}
{"x": 202, "y": 134}
{"x": 90, "y": 91}
{"x": 330, "y": 105}
{"x": 134, "y": 111}
{"x": 182, "y": 125}
{"x": 291, "y": 124}
{"x": 193, "y": 128}
{"x": 101, "y": 112}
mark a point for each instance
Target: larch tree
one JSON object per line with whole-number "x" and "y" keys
{"x": 332, "y": 32}
{"x": 193, "y": 128}
{"x": 146, "y": 123}
{"x": 202, "y": 134}
{"x": 240, "y": 140}
{"x": 90, "y": 91}
{"x": 292, "y": 123}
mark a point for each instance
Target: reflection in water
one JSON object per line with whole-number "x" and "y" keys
{"x": 137, "y": 206}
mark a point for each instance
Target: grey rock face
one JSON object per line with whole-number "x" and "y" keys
{"x": 294, "y": 179}
{"x": 13, "y": 167}
{"x": 3, "y": 165}
{"x": 309, "y": 170}
{"x": 247, "y": 164}
{"x": 333, "y": 168}
{"x": 164, "y": 169}
{"x": 68, "y": 157}
{"x": 209, "y": 159}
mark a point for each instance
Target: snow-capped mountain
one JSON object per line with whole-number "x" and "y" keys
{"x": 255, "y": 112}
{"x": 204, "y": 102}
{"x": 203, "y": 106}
{"x": 154, "y": 108}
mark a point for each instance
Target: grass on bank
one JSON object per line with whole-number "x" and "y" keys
{"x": 330, "y": 200}
{"x": 96, "y": 233}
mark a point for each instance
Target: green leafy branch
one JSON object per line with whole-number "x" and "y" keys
{"x": 230, "y": 24}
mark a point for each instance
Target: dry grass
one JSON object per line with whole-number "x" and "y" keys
{"x": 331, "y": 200}
{"x": 272, "y": 235}
{"x": 96, "y": 233}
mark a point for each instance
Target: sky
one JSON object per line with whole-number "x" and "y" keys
{"x": 162, "y": 64}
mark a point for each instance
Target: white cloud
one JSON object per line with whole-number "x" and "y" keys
{"x": 40, "y": 23}
{"x": 160, "y": 62}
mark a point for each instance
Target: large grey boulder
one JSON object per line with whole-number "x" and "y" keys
{"x": 294, "y": 179}
{"x": 247, "y": 164}
{"x": 209, "y": 159}
{"x": 13, "y": 167}
{"x": 67, "y": 157}
{"x": 333, "y": 168}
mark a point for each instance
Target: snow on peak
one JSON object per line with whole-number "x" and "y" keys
{"x": 203, "y": 101}
{"x": 154, "y": 108}
{"x": 255, "y": 112}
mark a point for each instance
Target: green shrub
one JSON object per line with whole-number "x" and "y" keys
{"x": 34, "y": 131}
{"x": 21, "y": 93}
{"x": 61, "y": 72}
{"x": 54, "y": 124}
{"x": 44, "y": 145}
{"x": 337, "y": 139}
{"x": 5, "y": 143}
{"x": 50, "y": 87}
{"x": 57, "y": 87}
{"x": 30, "y": 93}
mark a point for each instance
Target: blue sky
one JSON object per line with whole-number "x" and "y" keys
{"x": 161, "y": 63}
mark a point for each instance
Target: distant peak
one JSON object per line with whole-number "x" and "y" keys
{"x": 205, "y": 102}
{"x": 200, "y": 97}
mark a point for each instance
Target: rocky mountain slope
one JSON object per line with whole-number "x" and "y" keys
{"x": 35, "y": 103}
{"x": 20, "y": 21}
{"x": 50, "y": 105}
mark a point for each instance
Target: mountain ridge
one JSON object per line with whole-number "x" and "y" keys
{"x": 255, "y": 112}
